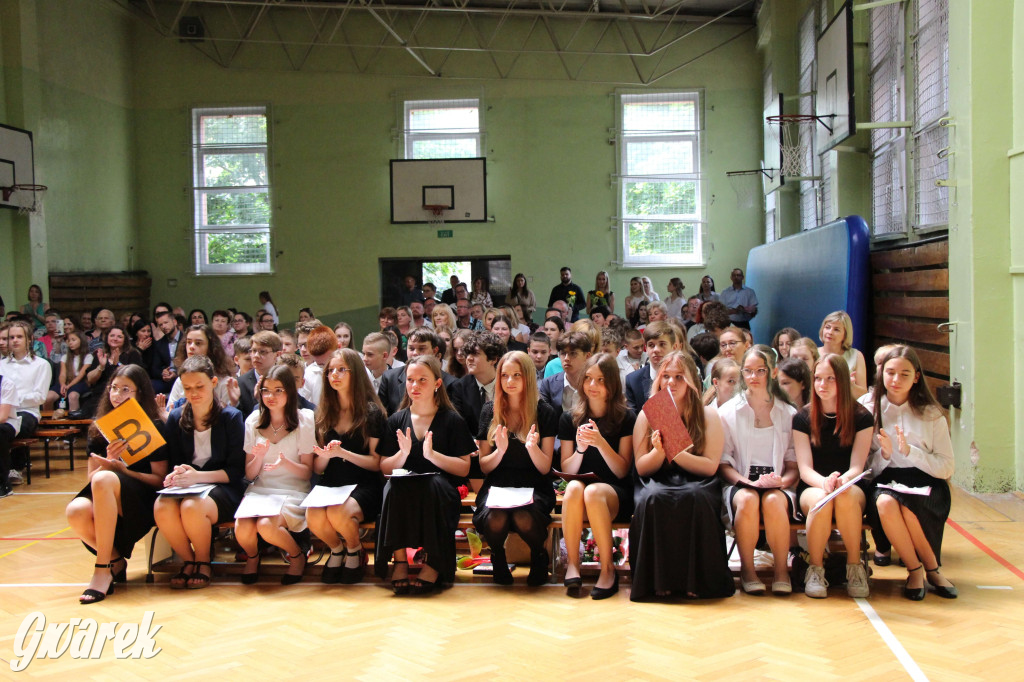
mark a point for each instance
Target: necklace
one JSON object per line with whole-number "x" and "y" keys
{"x": 277, "y": 429}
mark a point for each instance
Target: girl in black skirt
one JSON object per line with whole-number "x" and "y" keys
{"x": 916, "y": 453}
{"x": 425, "y": 437}
{"x": 205, "y": 445}
{"x": 597, "y": 438}
{"x": 115, "y": 510}
{"x": 350, "y": 421}
{"x": 517, "y": 443}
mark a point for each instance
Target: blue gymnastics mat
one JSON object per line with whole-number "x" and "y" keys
{"x": 802, "y": 278}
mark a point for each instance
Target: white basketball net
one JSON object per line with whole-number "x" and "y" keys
{"x": 794, "y": 145}
{"x": 434, "y": 216}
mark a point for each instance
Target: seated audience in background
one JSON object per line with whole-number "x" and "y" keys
{"x": 267, "y": 305}
{"x": 707, "y": 348}
{"x": 240, "y": 354}
{"x": 832, "y": 437}
{"x": 783, "y": 340}
{"x": 759, "y": 468}
{"x": 204, "y": 446}
{"x": 73, "y": 367}
{"x": 391, "y": 388}
{"x": 104, "y": 320}
{"x": 502, "y": 328}
{"x": 343, "y": 330}
{"x": 162, "y": 371}
{"x": 805, "y": 349}
{"x": 632, "y": 356}
{"x": 465, "y": 319}
{"x": 561, "y": 390}
{"x": 376, "y": 350}
{"x": 724, "y": 381}
{"x": 241, "y": 324}
{"x": 388, "y": 317}
{"x": 115, "y": 509}
{"x": 539, "y": 350}
{"x": 712, "y": 318}
{"x": 468, "y": 394}
{"x": 690, "y": 311}
{"x": 200, "y": 340}
{"x": 264, "y": 349}
{"x": 457, "y": 356}
{"x": 116, "y": 351}
{"x": 197, "y": 316}
{"x": 321, "y": 344}
{"x": 266, "y": 322}
{"x": 443, "y": 318}
{"x": 640, "y": 317}
{"x": 298, "y": 369}
{"x": 521, "y": 295}
{"x": 305, "y": 315}
{"x": 657, "y": 311}
{"x": 288, "y": 342}
{"x": 599, "y": 315}
{"x": 660, "y": 340}
{"x": 795, "y": 380}
{"x": 836, "y": 336}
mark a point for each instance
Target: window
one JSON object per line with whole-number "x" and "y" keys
{"x": 888, "y": 160}
{"x": 660, "y": 203}
{"x": 231, "y": 191}
{"x": 442, "y": 129}
{"x": 931, "y": 105}
{"x": 810, "y": 200}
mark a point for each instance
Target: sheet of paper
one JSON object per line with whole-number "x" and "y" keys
{"x": 924, "y": 490}
{"x": 586, "y": 478}
{"x": 837, "y": 491}
{"x": 509, "y": 498}
{"x": 324, "y": 496}
{"x": 662, "y": 415}
{"x": 254, "y": 505}
{"x": 200, "y": 489}
{"x": 128, "y": 422}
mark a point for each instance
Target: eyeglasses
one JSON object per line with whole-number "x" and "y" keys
{"x": 760, "y": 373}
{"x": 728, "y": 344}
{"x": 123, "y": 391}
{"x": 338, "y": 370}
{"x": 261, "y": 353}
{"x": 272, "y": 392}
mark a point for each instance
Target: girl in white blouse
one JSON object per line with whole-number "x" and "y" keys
{"x": 916, "y": 461}
{"x": 759, "y": 467}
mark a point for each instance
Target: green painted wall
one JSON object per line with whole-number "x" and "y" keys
{"x": 549, "y": 169}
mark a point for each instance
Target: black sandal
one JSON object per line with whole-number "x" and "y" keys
{"x": 251, "y": 578}
{"x": 91, "y": 596}
{"x": 180, "y": 580}
{"x": 400, "y": 585}
{"x": 289, "y": 578}
{"x": 351, "y": 576}
{"x": 331, "y": 575}
{"x": 946, "y": 592}
{"x": 911, "y": 593}
{"x": 122, "y": 575}
{"x": 202, "y": 579}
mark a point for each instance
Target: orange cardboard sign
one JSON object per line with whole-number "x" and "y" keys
{"x": 128, "y": 422}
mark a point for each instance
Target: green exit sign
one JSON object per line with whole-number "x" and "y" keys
{"x": 444, "y": 234}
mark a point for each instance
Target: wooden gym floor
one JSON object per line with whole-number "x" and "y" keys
{"x": 479, "y": 631}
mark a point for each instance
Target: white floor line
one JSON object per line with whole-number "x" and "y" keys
{"x": 21, "y": 493}
{"x": 909, "y": 664}
{"x": 994, "y": 587}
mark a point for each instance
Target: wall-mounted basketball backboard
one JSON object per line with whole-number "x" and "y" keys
{"x": 833, "y": 103}
{"x": 17, "y": 167}
{"x": 771, "y": 164}
{"x": 457, "y": 188}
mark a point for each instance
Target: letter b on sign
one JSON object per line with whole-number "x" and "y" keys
{"x": 131, "y": 432}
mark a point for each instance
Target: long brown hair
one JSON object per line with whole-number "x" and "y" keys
{"x": 921, "y": 400}
{"x": 222, "y": 365}
{"x": 362, "y": 395}
{"x": 527, "y": 416}
{"x": 198, "y": 364}
{"x": 693, "y": 407}
{"x": 441, "y": 399}
{"x": 616, "y": 401}
{"x": 282, "y": 373}
{"x": 144, "y": 395}
{"x": 845, "y": 406}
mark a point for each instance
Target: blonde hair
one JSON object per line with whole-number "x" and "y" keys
{"x": 591, "y": 330}
{"x": 842, "y": 317}
{"x": 693, "y": 408}
{"x": 518, "y": 423}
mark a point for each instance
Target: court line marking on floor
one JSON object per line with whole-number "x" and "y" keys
{"x": 908, "y": 662}
{"x": 18, "y": 549}
{"x": 36, "y": 539}
{"x": 993, "y": 587}
{"x": 58, "y": 493}
{"x": 985, "y": 548}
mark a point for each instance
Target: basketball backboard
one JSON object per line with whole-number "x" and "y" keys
{"x": 771, "y": 164}
{"x": 16, "y": 166}
{"x": 458, "y": 184}
{"x": 833, "y": 103}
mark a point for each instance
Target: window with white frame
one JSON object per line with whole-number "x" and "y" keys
{"x": 661, "y": 196}
{"x": 442, "y": 129}
{"x": 807, "y": 31}
{"x": 931, "y": 106}
{"x": 888, "y": 158}
{"x": 231, "y": 190}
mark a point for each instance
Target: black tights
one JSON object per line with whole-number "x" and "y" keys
{"x": 7, "y": 437}
{"x": 500, "y": 522}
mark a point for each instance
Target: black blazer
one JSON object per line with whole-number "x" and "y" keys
{"x": 638, "y": 388}
{"x": 226, "y": 443}
{"x": 162, "y": 358}
{"x": 465, "y": 396}
{"x": 247, "y": 399}
{"x": 550, "y": 389}
{"x": 392, "y": 387}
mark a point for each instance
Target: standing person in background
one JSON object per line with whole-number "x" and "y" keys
{"x": 636, "y": 295}
{"x": 601, "y": 294}
{"x": 429, "y": 292}
{"x": 521, "y": 295}
{"x": 676, "y": 302}
{"x": 266, "y": 303}
{"x": 707, "y": 289}
{"x": 741, "y": 301}
{"x": 649, "y": 291}
{"x": 410, "y": 291}
{"x": 481, "y": 293}
{"x": 448, "y": 296}
{"x": 568, "y": 292}
{"x": 36, "y": 307}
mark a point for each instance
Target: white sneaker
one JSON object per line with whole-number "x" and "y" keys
{"x": 856, "y": 581}
{"x": 15, "y": 477}
{"x": 815, "y": 584}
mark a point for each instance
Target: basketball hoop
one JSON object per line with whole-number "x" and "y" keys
{"x": 785, "y": 128}
{"x": 435, "y": 213}
{"x": 745, "y": 190}
{"x": 8, "y": 192}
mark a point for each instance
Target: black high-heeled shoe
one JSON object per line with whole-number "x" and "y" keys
{"x": 400, "y": 586}
{"x": 122, "y": 575}
{"x": 251, "y": 578}
{"x": 573, "y": 586}
{"x": 538, "y": 569}
{"x": 289, "y": 578}
{"x": 350, "y": 576}
{"x": 605, "y": 592}
{"x": 946, "y": 592}
{"x": 331, "y": 575}
{"x": 91, "y": 596}
{"x": 914, "y": 593}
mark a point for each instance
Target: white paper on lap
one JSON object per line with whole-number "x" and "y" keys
{"x": 325, "y": 496}
{"x": 507, "y": 498}
{"x": 260, "y": 505}
{"x": 200, "y": 489}
{"x": 924, "y": 490}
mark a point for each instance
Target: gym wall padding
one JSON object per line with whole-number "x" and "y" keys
{"x": 801, "y": 279}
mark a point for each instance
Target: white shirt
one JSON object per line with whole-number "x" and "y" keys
{"x": 272, "y": 309}
{"x": 314, "y": 385}
{"x": 931, "y": 449}
{"x": 73, "y": 367}
{"x": 31, "y": 378}
{"x": 203, "y": 448}
{"x": 738, "y": 426}
{"x": 489, "y": 389}
{"x": 9, "y": 396}
{"x": 675, "y": 307}
{"x": 569, "y": 394}
{"x": 628, "y": 365}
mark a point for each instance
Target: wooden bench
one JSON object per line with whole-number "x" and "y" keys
{"x": 25, "y": 444}
{"x": 66, "y": 433}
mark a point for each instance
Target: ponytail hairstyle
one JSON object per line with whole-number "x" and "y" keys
{"x": 693, "y": 408}
{"x": 199, "y": 364}
{"x": 719, "y": 368}
{"x": 845, "y": 405}
{"x": 767, "y": 354}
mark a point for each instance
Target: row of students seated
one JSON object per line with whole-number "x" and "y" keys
{"x": 428, "y": 435}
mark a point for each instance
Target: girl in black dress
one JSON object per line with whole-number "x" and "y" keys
{"x": 597, "y": 438}
{"x": 427, "y": 437}
{"x": 205, "y": 443}
{"x": 517, "y": 443}
{"x": 916, "y": 452}
{"x": 115, "y": 510}
{"x": 676, "y": 538}
{"x": 350, "y": 421}
{"x": 832, "y": 437}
